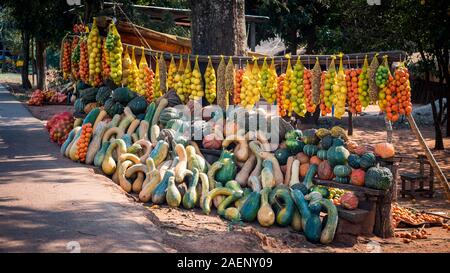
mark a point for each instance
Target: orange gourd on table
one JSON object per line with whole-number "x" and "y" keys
{"x": 304, "y": 169}
{"x": 357, "y": 177}
{"x": 315, "y": 160}
{"x": 384, "y": 150}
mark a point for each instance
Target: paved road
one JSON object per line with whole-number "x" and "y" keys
{"x": 51, "y": 204}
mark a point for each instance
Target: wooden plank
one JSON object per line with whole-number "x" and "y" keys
{"x": 350, "y": 187}
{"x": 441, "y": 177}
{"x": 354, "y": 216}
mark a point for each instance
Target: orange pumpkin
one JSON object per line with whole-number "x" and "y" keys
{"x": 315, "y": 160}
{"x": 384, "y": 150}
{"x": 360, "y": 150}
{"x": 324, "y": 171}
{"x": 357, "y": 177}
{"x": 352, "y": 146}
{"x": 303, "y": 158}
{"x": 304, "y": 169}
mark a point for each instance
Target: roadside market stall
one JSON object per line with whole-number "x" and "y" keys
{"x": 148, "y": 119}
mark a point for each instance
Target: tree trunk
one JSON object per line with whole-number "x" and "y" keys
{"x": 40, "y": 63}
{"x": 218, "y": 27}
{"x": 92, "y": 7}
{"x": 439, "y": 143}
{"x": 26, "y": 59}
{"x": 292, "y": 42}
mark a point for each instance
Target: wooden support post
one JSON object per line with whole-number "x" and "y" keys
{"x": 441, "y": 177}
{"x": 350, "y": 123}
{"x": 252, "y": 36}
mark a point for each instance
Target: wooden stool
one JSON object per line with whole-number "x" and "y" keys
{"x": 419, "y": 177}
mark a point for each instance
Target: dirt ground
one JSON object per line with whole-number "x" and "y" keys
{"x": 192, "y": 231}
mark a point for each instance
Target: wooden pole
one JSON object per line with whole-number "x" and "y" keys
{"x": 441, "y": 177}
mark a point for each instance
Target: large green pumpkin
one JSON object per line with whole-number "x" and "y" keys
{"x": 322, "y": 154}
{"x": 337, "y": 155}
{"x": 353, "y": 161}
{"x": 342, "y": 170}
{"x": 310, "y": 149}
{"x": 282, "y": 156}
{"x": 310, "y": 137}
{"x": 138, "y": 105}
{"x": 367, "y": 161}
{"x": 379, "y": 178}
{"x": 326, "y": 142}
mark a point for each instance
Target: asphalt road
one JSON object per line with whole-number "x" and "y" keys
{"x": 51, "y": 204}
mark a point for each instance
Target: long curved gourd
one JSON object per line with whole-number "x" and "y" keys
{"x": 278, "y": 174}
{"x": 296, "y": 223}
{"x": 143, "y": 130}
{"x": 114, "y": 131}
{"x": 199, "y": 153}
{"x": 91, "y": 116}
{"x": 160, "y": 152}
{"x": 164, "y": 167}
{"x": 73, "y": 148}
{"x": 194, "y": 160}
{"x": 96, "y": 142}
{"x": 109, "y": 164}
{"x": 153, "y": 178}
{"x": 241, "y": 152}
{"x": 135, "y": 137}
{"x": 249, "y": 209}
{"x": 213, "y": 194}
{"x": 115, "y": 121}
{"x": 205, "y": 188}
{"x": 181, "y": 167}
{"x": 310, "y": 217}
{"x": 123, "y": 181}
{"x": 265, "y": 145}
{"x": 101, "y": 115}
{"x": 159, "y": 194}
{"x": 215, "y": 167}
{"x": 133, "y": 127}
{"x": 100, "y": 155}
{"x": 70, "y": 137}
{"x": 243, "y": 175}
{"x": 147, "y": 146}
{"x": 267, "y": 176}
{"x": 288, "y": 174}
{"x": 154, "y": 133}
{"x": 229, "y": 213}
{"x": 173, "y": 196}
{"x": 281, "y": 200}
{"x": 135, "y": 149}
{"x": 329, "y": 230}
{"x": 266, "y": 215}
{"x": 256, "y": 149}
{"x": 254, "y": 183}
{"x": 140, "y": 170}
{"x": 294, "y": 173}
{"x": 128, "y": 118}
{"x": 161, "y": 105}
{"x": 308, "y": 180}
{"x": 190, "y": 197}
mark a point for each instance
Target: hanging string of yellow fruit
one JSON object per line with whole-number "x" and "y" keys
{"x": 156, "y": 83}
{"x": 382, "y": 77}
{"x": 307, "y": 78}
{"x": 94, "y": 49}
{"x": 363, "y": 84}
{"x": 196, "y": 93}
{"x": 133, "y": 73}
{"x": 315, "y": 82}
{"x": 171, "y": 73}
{"x": 126, "y": 67}
{"x": 187, "y": 75}
{"x": 297, "y": 92}
{"x": 287, "y": 105}
{"x": 268, "y": 77}
{"x": 75, "y": 58}
{"x": 340, "y": 91}
{"x": 210, "y": 82}
{"x": 281, "y": 96}
{"x": 237, "y": 86}
{"x": 178, "y": 80}
{"x": 250, "y": 91}
{"x": 141, "y": 87}
{"x": 115, "y": 50}
{"x": 84, "y": 60}
{"x": 162, "y": 74}
{"x": 106, "y": 71}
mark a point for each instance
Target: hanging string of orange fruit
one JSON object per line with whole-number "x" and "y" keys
{"x": 281, "y": 96}
{"x": 84, "y": 60}
{"x": 75, "y": 58}
{"x": 351, "y": 77}
{"x": 307, "y": 87}
{"x": 67, "y": 53}
{"x": 237, "y": 86}
{"x": 287, "y": 105}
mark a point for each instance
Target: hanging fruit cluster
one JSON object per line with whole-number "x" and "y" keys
{"x": 373, "y": 88}
{"x": 315, "y": 82}
{"x": 268, "y": 77}
{"x": 398, "y": 96}
{"x": 340, "y": 91}
{"x": 351, "y": 77}
{"x": 287, "y": 105}
{"x": 221, "y": 90}
{"x": 382, "y": 74}
{"x": 196, "y": 83}
{"x": 126, "y": 67}
{"x": 178, "y": 80}
{"x": 171, "y": 73}
{"x": 94, "y": 49}
{"x": 114, "y": 47}
{"x": 67, "y": 53}
{"x": 237, "y": 86}
{"x": 328, "y": 81}
{"x": 84, "y": 60}
{"x": 297, "y": 92}
{"x": 83, "y": 141}
{"x": 250, "y": 86}
{"x": 307, "y": 78}
{"x": 75, "y": 58}
{"x": 210, "y": 82}
{"x": 363, "y": 84}
{"x": 229, "y": 81}
{"x": 162, "y": 74}
{"x": 133, "y": 72}
{"x": 149, "y": 78}
{"x": 156, "y": 82}
{"x": 384, "y": 81}
{"x": 141, "y": 87}
{"x": 280, "y": 96}
{"x": 106, "y": 69}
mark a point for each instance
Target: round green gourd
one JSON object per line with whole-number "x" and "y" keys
{"x": 342, "y": 170}
{"x": 379, "y": 178}
{"x": 338, "y": 141}
{"x": 353, "y": 161}
{"x": 322, "y": 154}
{"x": 326, "y": 142}
{"x": 342, "y": 180}
{"x": 282, "y": 156}
{"x": 310, "y": 150}
{"x": 367, "y": 161}
{"x": 337, "y": 155}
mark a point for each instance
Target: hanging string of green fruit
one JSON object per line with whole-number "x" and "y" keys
{"x": 373, "y": 88}
{"x": 381, "y": 79}
{"x": 328, "y": 96}
{"x": 268, "y": 82}
{"x": 297, "y": 92}
{"x": 115, "y": 50}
